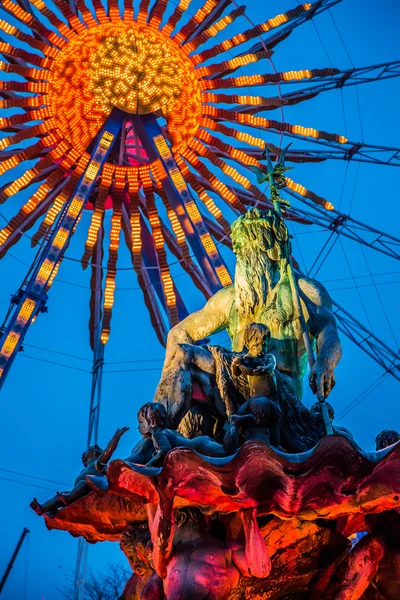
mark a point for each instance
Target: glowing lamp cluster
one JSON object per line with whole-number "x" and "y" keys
{"x": 137, "y": 73}
{"x": 128, "y": 67}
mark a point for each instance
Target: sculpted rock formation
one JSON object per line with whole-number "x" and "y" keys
{"x": 307, "y": 507}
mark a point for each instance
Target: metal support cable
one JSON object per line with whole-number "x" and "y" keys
{"x": 94, "y": 407}
{"x": 361, "y": 397}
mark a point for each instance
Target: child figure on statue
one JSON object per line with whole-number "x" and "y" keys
{"x": 95, "y": 461}
{"x": 153, "y": 421}
{"x": 259, "y": 417}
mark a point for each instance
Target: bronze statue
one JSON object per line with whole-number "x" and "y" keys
{"x": 198, "y": 566}
{"x": 316, "y": 414}
{"x": 136, "y": 544}
{"x": 153, "y": 421}
{"x": 261, "y": 293}
{"x": 259, "y": 417}
{"x": 386, "y": 438}
{"x": 95, "y": 461}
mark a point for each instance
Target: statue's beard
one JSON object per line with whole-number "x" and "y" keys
{"x": 253, "y": 280}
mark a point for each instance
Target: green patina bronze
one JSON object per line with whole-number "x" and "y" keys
{"x": 274, "y": 176}
{"x": 277, "y": 181}
{"x": 197, "y": 385}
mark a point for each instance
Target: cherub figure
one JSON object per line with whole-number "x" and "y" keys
{"x": 136, "y": 544}
{"x": 95, "y": 461}
{"x": 153, "y": 421}
{"x": 386, "y": 438}
{"x": 259, "y": 417}
{"x": 316, "y": 413}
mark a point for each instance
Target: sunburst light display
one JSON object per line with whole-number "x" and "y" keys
{"x": 72, "y": 66}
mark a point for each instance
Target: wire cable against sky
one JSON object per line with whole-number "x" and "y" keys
{"x": 34, "y": 477}
{"x": 361, "y": 397}
{"x": 41, "y": 487}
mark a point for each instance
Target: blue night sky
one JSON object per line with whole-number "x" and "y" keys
{"x": 46, "y": 397}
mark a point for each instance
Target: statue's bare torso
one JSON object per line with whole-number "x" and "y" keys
{"x": 187, "y": 364}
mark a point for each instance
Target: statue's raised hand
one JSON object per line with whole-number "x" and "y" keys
{"x": 322, "y": 379}
{"x": 111, "y": 447}
{"x": 120, "y": 432}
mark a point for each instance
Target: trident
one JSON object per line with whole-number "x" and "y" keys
{"x": 277, "y": 182}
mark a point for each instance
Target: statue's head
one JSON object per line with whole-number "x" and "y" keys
{"x": 316, "y": 412}
{"x": 92, "y": 453}
{"x": 261, "y": 243}
{"x": 386, "y": 438}
{"x": 190, "y": 517}
{"x": 135, "y": 542}
{"x": 256, "y": 338}
{"x": 151, "y": 417}
{"x": 261, "y": 231}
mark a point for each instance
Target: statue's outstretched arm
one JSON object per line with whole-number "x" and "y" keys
{"x": 322, "y": 326}
{"x": 111, "y": 447}
{"x": 199, "y": 325}
{"x": 329, "y": 353}
{"x": 253, "y": 560}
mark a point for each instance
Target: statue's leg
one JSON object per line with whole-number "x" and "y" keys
{"x": 80, "y": 490}
{"x": 388, "y": 578}
{"x": 154, "y": 589}
{"x": 191, "y": 365}
{"x": 49, "y": 506}
{"x": 231, "y": 439}
{"x": 208, "y": 447}
{"x": 355, "y": 574}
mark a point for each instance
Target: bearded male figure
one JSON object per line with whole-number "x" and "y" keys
{"x": 197, "y": 382}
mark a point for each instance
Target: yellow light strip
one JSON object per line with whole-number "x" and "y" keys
{"x": 159, "y": 241}
{"x": 114, "y": 245}
{"x": 136, "y": 239}
{"x": 302, "y": 191}
{"x": 249, "y": 34}
{"x": 176, "y": 228}
{"x": 13, "y": 337}
{"x": 223, "y": 276}
{"x": 219, "y": 187}
{"x": 75, "y": 207}
{"x": 198, "y": 18}
{"x": 54, "y": 20}
{"x": 98, "y": 212}
{"x": 201, "y": 149}
{"x": 227, "y": 65}
{"x": 29, "y": 207}
{"x": 32, "y": 22}
{"x": 263, "y": 123}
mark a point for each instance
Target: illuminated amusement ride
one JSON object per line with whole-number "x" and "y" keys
{"x": 152, "y": 111}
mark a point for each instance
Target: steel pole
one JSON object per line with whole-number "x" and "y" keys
{"x": 13, "y": 558}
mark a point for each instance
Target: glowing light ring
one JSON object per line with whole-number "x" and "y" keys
{"x": 88, "y": 65}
